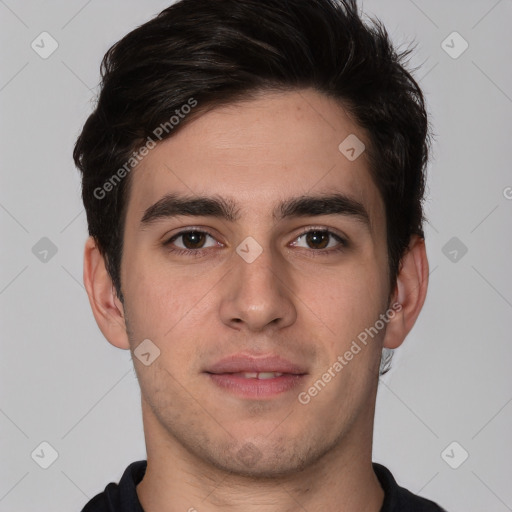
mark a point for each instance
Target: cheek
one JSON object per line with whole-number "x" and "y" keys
{"x": 150, "y": 301}
{"x": 346, "y": 303}
{"x": 164, "y": 302}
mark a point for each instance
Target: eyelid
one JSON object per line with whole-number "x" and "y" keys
{"x": 326, "y": 229}
{"x": 185, "y": 231}
{"x": 188, "y": 229}
{"x": 341, "y": 238}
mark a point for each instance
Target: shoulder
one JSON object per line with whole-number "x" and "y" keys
{"x": 122, "y": 496}
{"x": 399, "y": 499}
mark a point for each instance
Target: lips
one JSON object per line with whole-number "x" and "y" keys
{"x": 258, "y": 375}
{"x": 250, "y": 367}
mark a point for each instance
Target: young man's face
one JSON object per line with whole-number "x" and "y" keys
{"x": 304, "y": 299}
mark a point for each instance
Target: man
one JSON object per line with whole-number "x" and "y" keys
{"x": 253, "y": 176}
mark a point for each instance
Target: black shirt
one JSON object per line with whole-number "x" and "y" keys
{"x": 122, "y": 497}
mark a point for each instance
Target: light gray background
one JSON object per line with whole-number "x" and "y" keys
{"x": 61, "y": 382}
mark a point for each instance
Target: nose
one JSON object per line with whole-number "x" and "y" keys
{"x": 258, "y": 295}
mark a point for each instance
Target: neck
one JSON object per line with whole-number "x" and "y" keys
{"x": 341, "y": 479}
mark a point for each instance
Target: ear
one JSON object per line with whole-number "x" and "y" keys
{"x": 106, "y": 307}
{"x": 410, "y": 292}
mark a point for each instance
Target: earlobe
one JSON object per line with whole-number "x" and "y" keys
{"x": 106, "y": 307}
{"x": 410, "y": 293}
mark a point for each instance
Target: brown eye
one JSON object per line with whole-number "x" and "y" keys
{"x": 192, "y": 242}
{"x": 321, "y": 239}
{"x": 193, "y": 239}
{"x": 318, "y": 239}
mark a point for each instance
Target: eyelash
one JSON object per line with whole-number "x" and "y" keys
{"x": 199, "y": 252}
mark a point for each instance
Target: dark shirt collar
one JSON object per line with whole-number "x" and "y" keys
{"x": 123, "y": 497}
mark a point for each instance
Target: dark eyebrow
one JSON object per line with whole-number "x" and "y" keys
{"x": 331, "y": 204}
{"x": 172, "y": 205}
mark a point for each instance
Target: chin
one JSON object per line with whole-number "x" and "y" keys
{"x": 263, "y": 460}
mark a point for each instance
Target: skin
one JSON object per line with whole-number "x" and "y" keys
{"x": 308, "y": 309}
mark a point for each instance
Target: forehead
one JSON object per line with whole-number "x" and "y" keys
{"x": 259, "y": 152}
